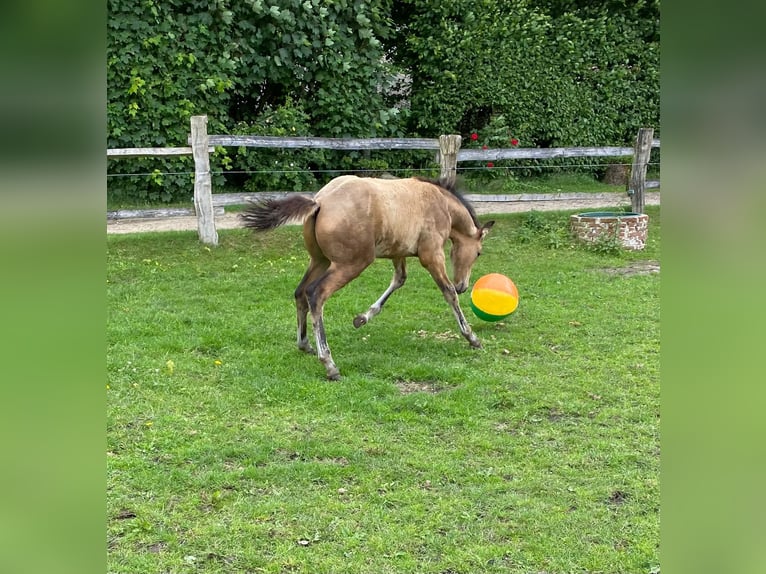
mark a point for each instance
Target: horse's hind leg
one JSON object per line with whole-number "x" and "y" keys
{"x": 318, "y": 292}
{"x": 315, "y": 269}
{"x": 400, "y": 276}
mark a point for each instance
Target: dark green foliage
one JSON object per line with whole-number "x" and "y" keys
{"x": 546, "y": 73}
{"x": 235, "y": 62}
{"x": 548, "y": 229}
{"x": 569, "y": 76}
{"x": 287, "y": 170}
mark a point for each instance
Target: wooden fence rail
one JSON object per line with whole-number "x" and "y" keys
{"x": 447, "y": 148}
{"x": 127, "y": 152}
{"x": 324, "y": 143}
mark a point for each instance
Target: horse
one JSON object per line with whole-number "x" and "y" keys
{"x": 352, "y": 221}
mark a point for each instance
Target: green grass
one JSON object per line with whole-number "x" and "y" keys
{"x": 229, "y": 452}
{"x": 500, "y": 181}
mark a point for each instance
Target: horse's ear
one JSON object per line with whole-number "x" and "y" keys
{"x": 485, "y": 228}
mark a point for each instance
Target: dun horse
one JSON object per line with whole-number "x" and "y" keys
{"x": 352, "y": 221}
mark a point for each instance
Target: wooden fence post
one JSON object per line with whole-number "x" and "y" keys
{"x": 448, "y": 148}
{"x": 637, "y": 182}
{"x": 203, "y": 187}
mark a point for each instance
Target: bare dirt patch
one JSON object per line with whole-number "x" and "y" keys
{"x": 431, "y": 387}
{"x": 444, "y": 336}
{"x": 617, "y": 498}
{"x": 635, "y": 268}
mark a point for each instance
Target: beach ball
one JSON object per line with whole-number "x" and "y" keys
{"x": 494, "y": 297}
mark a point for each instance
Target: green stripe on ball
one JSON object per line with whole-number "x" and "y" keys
{"x": 486, "y": 316}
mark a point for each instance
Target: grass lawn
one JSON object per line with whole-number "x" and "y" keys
{"x": 502, "y": 181}
{"x": 227, "y": 451}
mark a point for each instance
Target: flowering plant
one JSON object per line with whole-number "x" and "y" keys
{"x": 496, "y": 134}
{"x": 496, "y": 141}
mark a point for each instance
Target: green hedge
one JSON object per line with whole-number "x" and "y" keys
{"x": 584, "y": 77}
{"x": 553, "y": 73}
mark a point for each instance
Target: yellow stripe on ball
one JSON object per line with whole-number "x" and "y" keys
{"x": 494, "y": 297}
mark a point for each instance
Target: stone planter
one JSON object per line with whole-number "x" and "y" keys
{"x": 630, "y": 229}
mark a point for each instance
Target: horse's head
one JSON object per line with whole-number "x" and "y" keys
{"x": 465, "y": 250}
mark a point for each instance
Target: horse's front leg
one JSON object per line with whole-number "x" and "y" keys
{"x": 438, "y": 271}
{"x": 450, "y": 295}
{"x": 400, "y": 276}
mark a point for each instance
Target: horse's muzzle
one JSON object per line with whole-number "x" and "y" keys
{"x": 461, "y": 287}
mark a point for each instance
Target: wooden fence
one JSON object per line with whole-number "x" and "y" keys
{"x": 447, "y": 148}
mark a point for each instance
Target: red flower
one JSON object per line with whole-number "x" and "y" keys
{"x": 484, "y": 147}
{"x": 474, "y": 136}
{"x": 490, "y": 164}
{"x": 514, "y": 141}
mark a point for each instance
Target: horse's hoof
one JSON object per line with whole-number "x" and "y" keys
{"x": 333, "y": 376}
{"x": 360, "y": 320}
{"x": 307, "y": 349}
{"x": 475, "y": 344}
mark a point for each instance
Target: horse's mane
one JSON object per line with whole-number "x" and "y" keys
{"x": 453, "y": 189}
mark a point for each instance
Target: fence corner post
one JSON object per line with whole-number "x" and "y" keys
{"x": 449, "y": 145}
{"x": 637, "y": 181}
{"x": 203, "y": 186}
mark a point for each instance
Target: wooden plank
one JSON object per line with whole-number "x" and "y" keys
{"x": 203, "y": 186}
{"x": 531, "y": 197}
{"x": 227, "y": 199}
{"x": 224, "y": 199}
{"x": 221, "y": 200}
{"x": 323, "y": 143}
{"x": 159, "y": 213}
{"x": 379, "y": 143}
{"x": 449, "y": 146}
{"x": 127, "y": 152}
{"x": 147, "y": 151}
{"x": 541, "y": 153}
{"x": 637, "y": 183}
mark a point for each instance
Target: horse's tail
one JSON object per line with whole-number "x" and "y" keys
{"x": 271, "y": 213}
